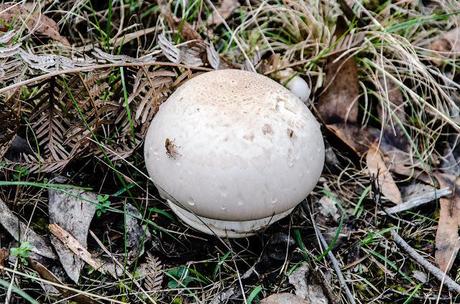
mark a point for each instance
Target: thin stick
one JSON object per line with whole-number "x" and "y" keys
{"x": 335, "y": 264}
{"x": 419, "y": 200}
{"x": 438, "y": 273}
{"x": 74, "y": 245}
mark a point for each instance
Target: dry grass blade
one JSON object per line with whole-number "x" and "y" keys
{"x": 379, "y": 171}
{"x": 46, "y": 274}
{"x": 392, "y": 115}
{"x": 447, "y": 238}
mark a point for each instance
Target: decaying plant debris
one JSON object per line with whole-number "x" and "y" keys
{"x": 81, "y": 80}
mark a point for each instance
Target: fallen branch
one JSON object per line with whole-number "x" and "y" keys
{"x": 438, "y": 273}
{"x": 80, "y": 251}
{"x": 419, "y": 200}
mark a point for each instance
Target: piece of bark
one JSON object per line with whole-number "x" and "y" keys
{"x": 136, "y": 234}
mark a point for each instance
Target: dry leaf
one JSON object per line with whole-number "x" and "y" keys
{"x": 382, "y": 175}
{"x": 447, "y": 238}
{"x": 339, "y": 101}
{"x": 398, "y": 161}
{"x": 34, "y": 21}
{"x": 448, "y": 42}
{"x": 225, "y": 10}
{"x": 46, "y": 274}
{"x": 304, "y": 289}
{"x": 327, "y": 208}
{"x": 358, "y": 139}
{"x": 73, "y": 210}
{"x": 22, "y": 233}
{"x": 284, "y": 298}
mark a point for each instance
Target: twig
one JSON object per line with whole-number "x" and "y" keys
{"x": 335, "y": 264}
{"x": 80, "y": 251}
{"x": 419, "y": 200}
{"x": 438, "y": 273}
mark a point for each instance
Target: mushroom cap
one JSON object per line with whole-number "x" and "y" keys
{"x": 234, "y": 145}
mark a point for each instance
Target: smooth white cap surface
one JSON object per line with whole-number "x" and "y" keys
{"x": 233, "y": 145}
{"x": 299, "y": 87}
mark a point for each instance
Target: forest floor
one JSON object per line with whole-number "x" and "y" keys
{"x": 80, "y": 80}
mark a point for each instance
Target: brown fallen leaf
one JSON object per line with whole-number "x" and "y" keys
{"x": 382, "y": 175}
{"x": 283, "y": 298}
{"x": 448, "y": 42}
{"x": 46, "y": 274}
{"x": 224, "y": 11}
{"x": 358, "y": 139}
{"x": 398, "y": 161}
{"x": 447, "y": 238}
{"x": 34, "y": 21}
{"x": 338, "y": 102}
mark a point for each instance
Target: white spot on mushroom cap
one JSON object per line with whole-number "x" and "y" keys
{"x": 233, "y": 165}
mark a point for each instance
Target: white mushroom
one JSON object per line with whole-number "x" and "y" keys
{"x": 296, "y": 84}
{"x": 233, "y": 151}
